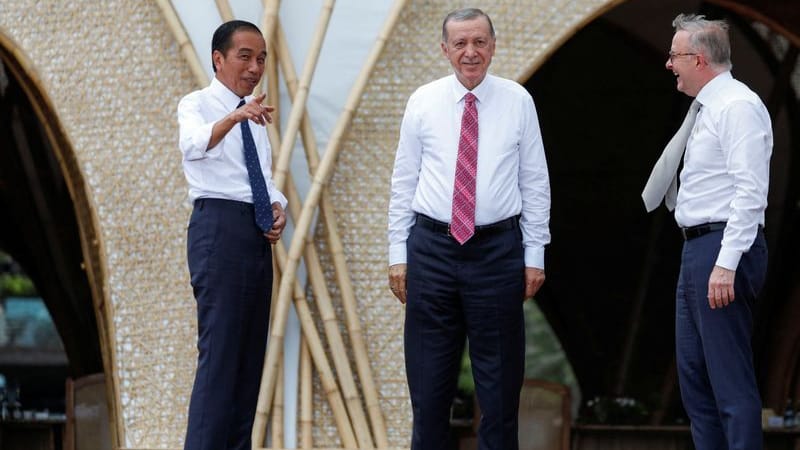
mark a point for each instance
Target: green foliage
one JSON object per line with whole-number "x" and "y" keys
{"x": 466, "y": 384}
{"x": 544, "y": 357}
{"x": 13, "y": 283}
{"x": 16, "y": 285}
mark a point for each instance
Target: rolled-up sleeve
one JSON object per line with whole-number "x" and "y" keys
{"x": 193, "y": 130}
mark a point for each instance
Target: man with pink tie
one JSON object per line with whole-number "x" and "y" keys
{"x": 468, "y": 221}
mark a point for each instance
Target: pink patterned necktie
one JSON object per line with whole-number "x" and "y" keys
{"x": 462, "y": 222}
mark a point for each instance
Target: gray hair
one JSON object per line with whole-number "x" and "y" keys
{"x": 463, "y": 14}
{"x": 708, "y": 36}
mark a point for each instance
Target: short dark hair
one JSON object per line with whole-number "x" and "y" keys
{"x": 463, "y": 14}
{"x": 223, "y": 37}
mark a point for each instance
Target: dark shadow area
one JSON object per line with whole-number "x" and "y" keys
{"x": 39, "y": 230}
{"x": 607, "y": 106}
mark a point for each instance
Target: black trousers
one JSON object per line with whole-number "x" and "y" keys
{"x": 473, "y": 291}
{"x": 231, "y": 271}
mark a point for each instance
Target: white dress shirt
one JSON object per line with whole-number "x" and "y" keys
{"x": 725, "y": 176}
{"x": 220, "y": 171}
{"x": 512, "y": 174}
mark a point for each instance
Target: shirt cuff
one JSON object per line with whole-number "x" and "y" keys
{"x": 397, "y": 253}
{"x": 534, "y": 257}
{"x": 728, "y": 258}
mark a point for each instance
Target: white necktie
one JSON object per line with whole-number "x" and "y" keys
{"x": 663, "y": 181}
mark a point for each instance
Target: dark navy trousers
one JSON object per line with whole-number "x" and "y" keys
{"x": 713, "y": 348}
{"x": 230, "y": 263}
{"x": 456, "y": 292}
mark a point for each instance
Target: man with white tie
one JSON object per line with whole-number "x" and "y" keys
{"x": 468, "y": 222}
{"x": 720, "y": 209}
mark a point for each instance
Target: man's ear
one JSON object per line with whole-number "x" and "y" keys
{"x": 444, "y": 49}
{"x": 216, "y": 58}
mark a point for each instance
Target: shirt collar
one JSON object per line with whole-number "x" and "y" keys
{"x": 708, "y": 91}
{"x": 225, "y": 95}
{"x": 480, "y": 91}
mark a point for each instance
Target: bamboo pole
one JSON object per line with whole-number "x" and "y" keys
{"x": 258, "y": 435}
{"x": 225, "y": 11}
{"x": 273, "y": 85}
{"x": 277, "y": 413}
{"x": 331, "y": 328}
{"x": 272, "y": 366}
{"x": 280, "y": 174}
{"x": 340, "y": 265}
{"x": 184, "y": 43}
{"x": 270, "y": 20}
{"x": 271, "y": 370}
{"x": 334, "y": 336}
{"x": 306, "y": 397}
{"x": 326, "y": 166}
{"x": 299, "y": 104}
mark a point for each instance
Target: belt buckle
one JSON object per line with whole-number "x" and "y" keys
{"x": 448, "y": 231}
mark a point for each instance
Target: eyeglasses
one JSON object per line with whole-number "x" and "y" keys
{"x": 673, "y": 55}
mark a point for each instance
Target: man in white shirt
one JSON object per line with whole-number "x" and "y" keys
{"x": 468, "y": 222}
{"x": 237, "y": 214}
{"x": 720, "y": 209}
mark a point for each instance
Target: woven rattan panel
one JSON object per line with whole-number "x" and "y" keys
{"x": 526, "y": 31}
{"x": 114, "y": 75}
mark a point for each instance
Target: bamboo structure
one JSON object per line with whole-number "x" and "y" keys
{"x": 289, "y": 269}
{"x": 270, "y": 20}
{"x": 277, "y": 414}
{"x": 312, "y": 261}
{"x": 185, "y": 44}
{"x": 316, "y": 274}
{"x": 299, "y": 105}
{"x": 270, "y": 371}
{"x": 225, "y": 10}
{"x": 273, "y": 85}
{"x": 306, "y": 392}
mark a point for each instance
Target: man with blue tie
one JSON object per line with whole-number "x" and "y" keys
{"x": 468, "y": 223}
{"x": 238, "y": 213}
{"x": 727, "y": 138}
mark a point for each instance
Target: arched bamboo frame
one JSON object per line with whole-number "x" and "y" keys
{"x": 92, "y": 248}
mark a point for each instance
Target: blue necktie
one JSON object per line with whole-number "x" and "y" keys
{"x": 261, "y": 202}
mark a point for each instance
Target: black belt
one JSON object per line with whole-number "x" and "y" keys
{"x": 696, "y": 231}
{"x": 480, "y": 230}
